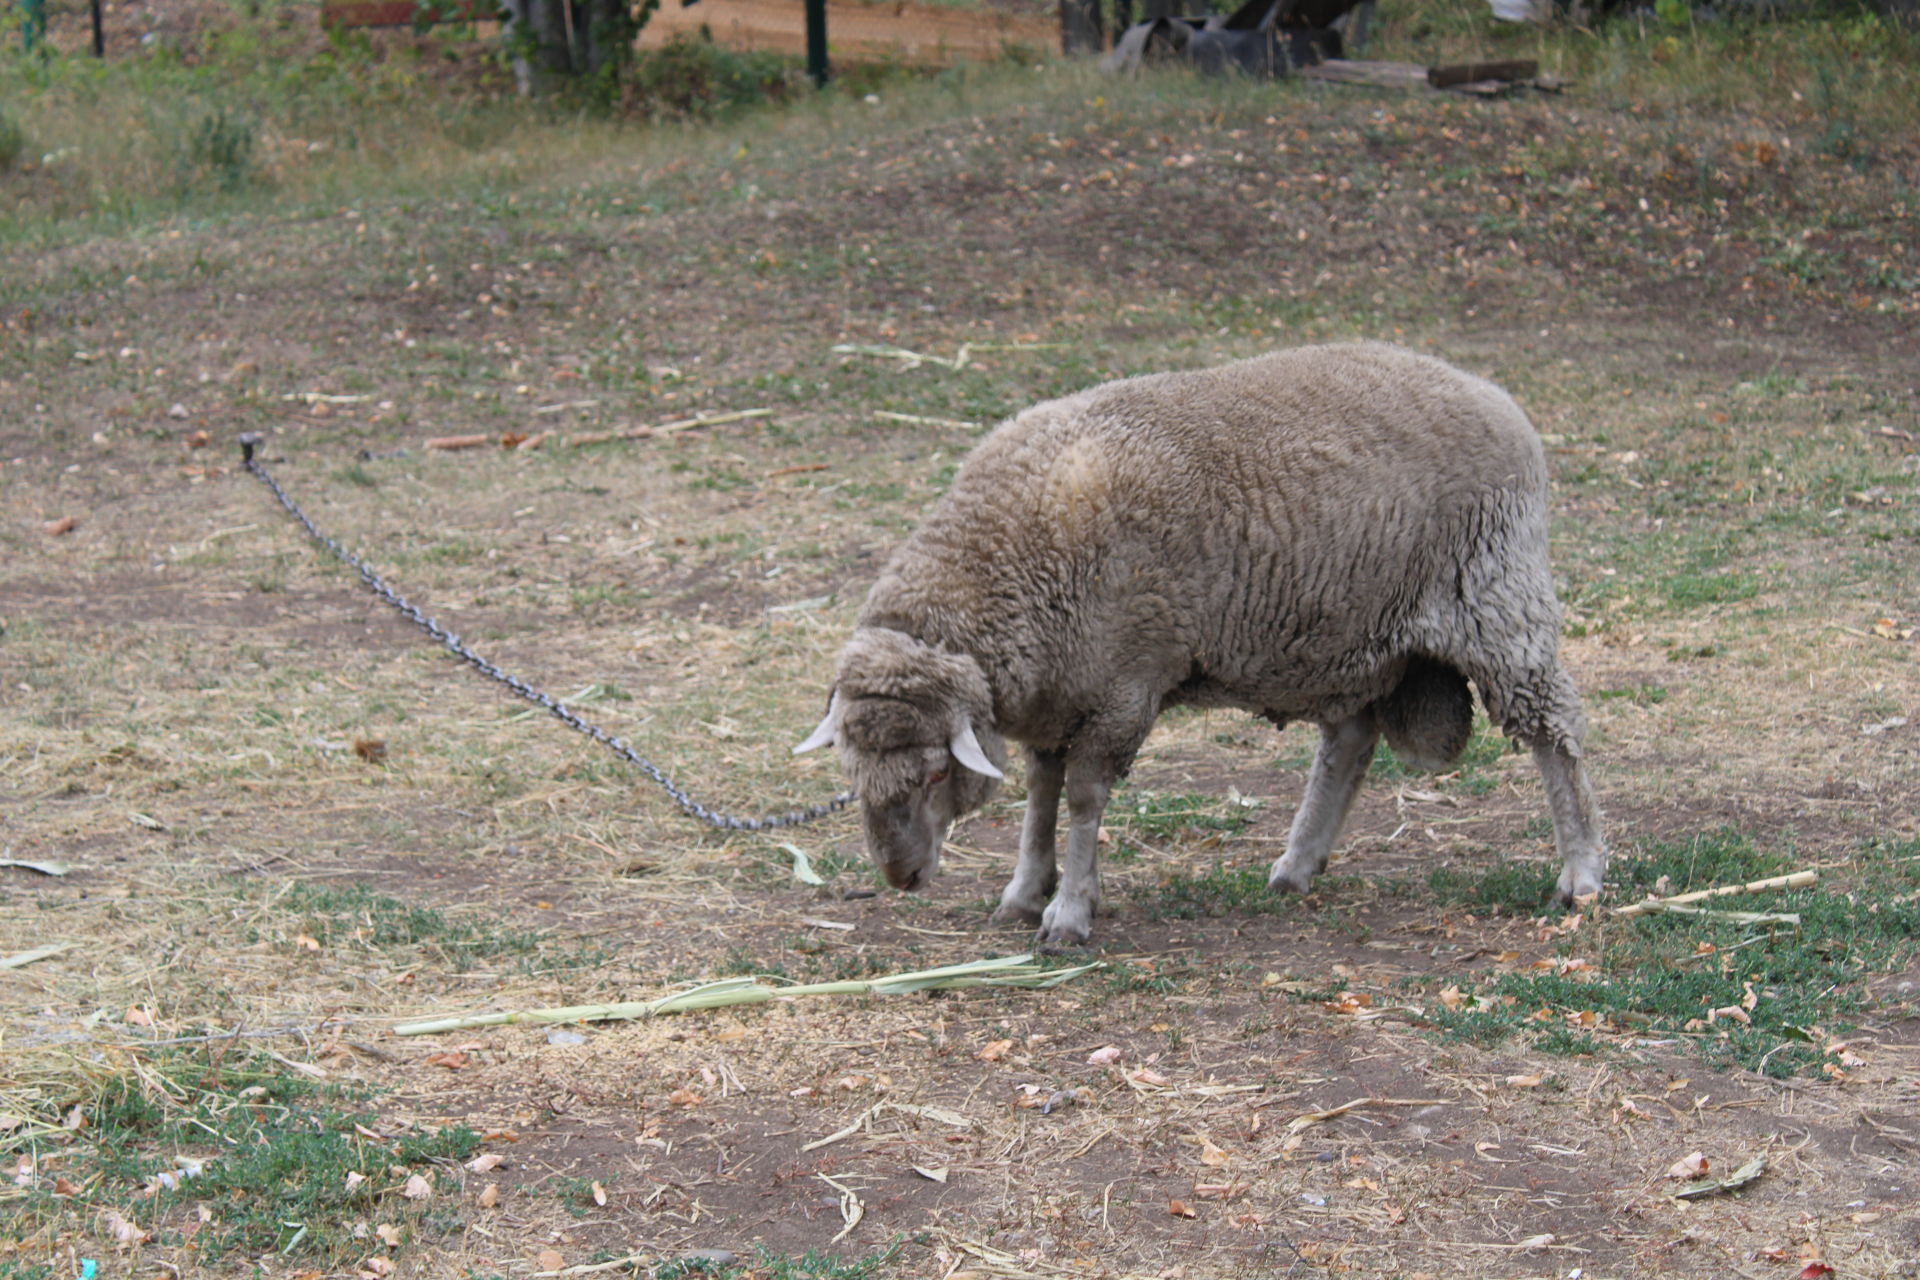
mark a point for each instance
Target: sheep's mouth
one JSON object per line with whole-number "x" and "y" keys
{"x": 907, "y": 878}
{"x": 904, "y": 841}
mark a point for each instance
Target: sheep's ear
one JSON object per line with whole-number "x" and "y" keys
{"x": 827, "y": 730}
{"x": 966, "y": 749}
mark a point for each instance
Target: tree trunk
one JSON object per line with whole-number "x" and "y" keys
{"x": 1081, "y": 30}
{"x": 559, "y": 40}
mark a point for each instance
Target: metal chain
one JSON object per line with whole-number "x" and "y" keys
{"x": 688, "y": 805}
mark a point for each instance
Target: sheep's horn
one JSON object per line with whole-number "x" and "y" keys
{"x": 826, "y": 731}
{"x": 966, "y": 749}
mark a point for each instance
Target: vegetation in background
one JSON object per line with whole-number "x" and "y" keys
{"x": 271, "y": 106}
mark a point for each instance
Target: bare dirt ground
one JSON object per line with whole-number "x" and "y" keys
{"x": 213, "y": 728}
{"x": 908, "y": 34}
{"x": 913, "y": 34}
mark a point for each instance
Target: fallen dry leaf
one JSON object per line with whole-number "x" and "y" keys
{"x": 1815, "y": 1270}
{"x": 417, "y": 1188}
{"x": 1212, "y": 1155}
{"x": 354, "y": 1178}
{"x": 451, "y": 1059}
{"x": 600, "y": 1194}
{"x": 65, "y": 524}
{"x": 1104, "y": 1057}
{"x": 489, "y": 1195}
{"x": 375, "y": 1268}
{"x": 994, "y": 1050}
{"x": 1689, "y": 1166}
{"x": 389, "y": 1234}
{"x": 1523, "y": 1082}
{"x": 1218, "y": 1190}
{"x": 124, "y": 1231}
{"x": 486, "y": 1163}
{"x": 1840, "y": 1052}
{"x": 685, "y": 1098}
{"x": 1181, "y": 1209}
{"x": 1541, "y": 1241}
{"x": 549, "y": 1260}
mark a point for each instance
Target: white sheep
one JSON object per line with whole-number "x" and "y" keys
{"x": 1340, "y": 534}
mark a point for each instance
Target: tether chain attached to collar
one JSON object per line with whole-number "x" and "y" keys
{"x": 453, "y": 644}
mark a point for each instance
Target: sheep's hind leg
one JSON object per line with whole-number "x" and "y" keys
{"x": 1346, "y": 749}
{"x": 1035, "y": 876}
{"x": 1576, "y": 822}
{"x": 1068, "y": 919}
{"x": 1543, "y": 711}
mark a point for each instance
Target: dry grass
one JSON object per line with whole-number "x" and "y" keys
{"x": 190, "y": 698}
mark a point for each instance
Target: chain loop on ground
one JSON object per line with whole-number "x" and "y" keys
{"x": 454, "y": 645}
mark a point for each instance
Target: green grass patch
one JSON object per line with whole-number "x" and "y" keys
{"x": 767, "y": 1265}
{"x": 1673, "y": 976}
{"x": 222, "y": 1153}
{"x": 354, "y": 918}
{"x": 1169, "y": 816}
{"x": 1507, "y": 888}
{"x": 1224, "y": 889}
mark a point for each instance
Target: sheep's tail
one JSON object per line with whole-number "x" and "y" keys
{"x": 1428, "y": 717}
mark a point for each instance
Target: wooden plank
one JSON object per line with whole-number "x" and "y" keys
{"x": 1388, "y": 75}
{"x": 1476, "y": 72}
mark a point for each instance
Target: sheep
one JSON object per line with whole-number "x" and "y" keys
{"x": 1344, "y": 534}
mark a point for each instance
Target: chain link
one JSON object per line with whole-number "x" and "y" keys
{"x": 453, "y": 644}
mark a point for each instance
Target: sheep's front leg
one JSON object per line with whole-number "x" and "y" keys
{"x": 1576, "y": 822}
{"x": 1068, "y": 919}
{"x": 1346, "y": 749}
{"x": 1035, "y": 875}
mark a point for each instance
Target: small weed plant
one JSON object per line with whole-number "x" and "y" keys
{"x": 13, "y": 141}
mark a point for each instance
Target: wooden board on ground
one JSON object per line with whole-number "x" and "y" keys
{"x": 1483, "y": 78}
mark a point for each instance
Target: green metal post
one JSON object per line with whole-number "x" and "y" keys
{"x": 33, "y": 25}
{"x": 817, "y": 41}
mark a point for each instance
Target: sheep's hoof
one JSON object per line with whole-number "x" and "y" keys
{"x": 1575, "y": 893}
{"x": 1285, "y": 879}
{"x": 1015, "y": 913}
{"x": 1065, "y": 925}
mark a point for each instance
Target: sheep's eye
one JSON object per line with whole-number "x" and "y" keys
{"x": 937, "y": 777}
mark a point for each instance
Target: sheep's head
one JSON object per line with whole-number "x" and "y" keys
{"x": 915, "y": 730}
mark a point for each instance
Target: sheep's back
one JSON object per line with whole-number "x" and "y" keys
{"x": 1273, "y": 525}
